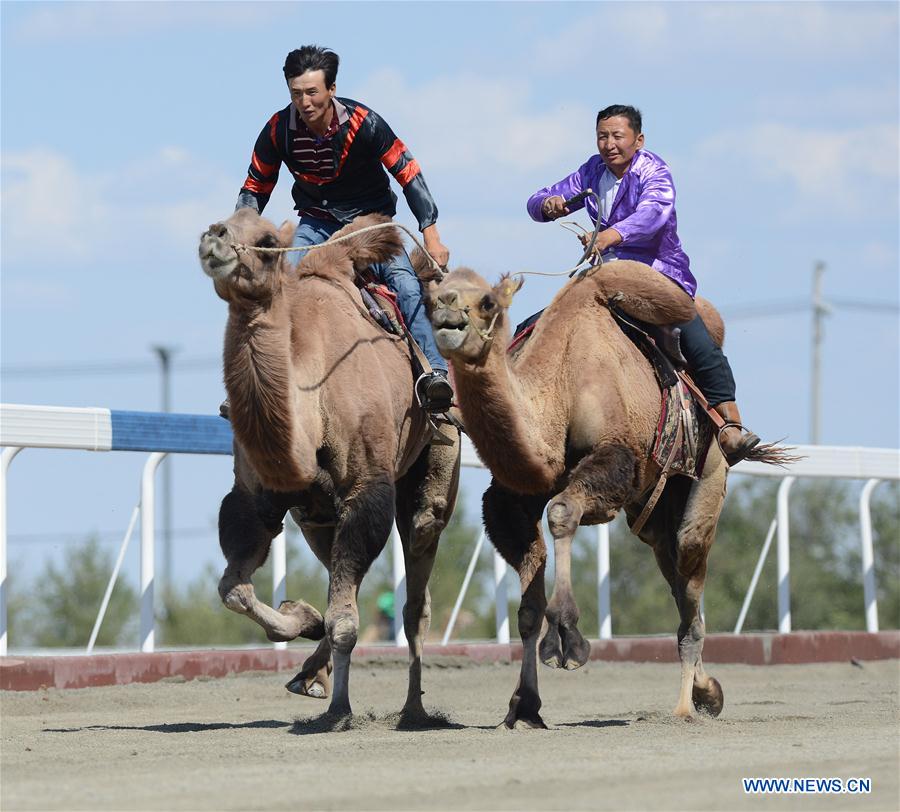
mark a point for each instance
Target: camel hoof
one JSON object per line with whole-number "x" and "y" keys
{"x": 685, "y": 714}
{"x": 533, "y": 723}
{"x": 551, "y": 649}
{"x": 709, "y": 700}
{"x": 576, "y": 650}
{"x": 314, "y": 690}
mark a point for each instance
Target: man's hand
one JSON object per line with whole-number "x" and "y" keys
{"x": 554, "y": 207}
{"x": 435, "y": 247}
{"x": 606, "y": 239}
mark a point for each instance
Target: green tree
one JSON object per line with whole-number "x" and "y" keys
{"x": 65, "y": 601}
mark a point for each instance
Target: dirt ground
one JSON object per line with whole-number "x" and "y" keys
{"x": 244, "y": 743}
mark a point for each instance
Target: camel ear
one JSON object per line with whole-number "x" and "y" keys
{"x": 286, "y": 233}
{"x": 506, "y": 288}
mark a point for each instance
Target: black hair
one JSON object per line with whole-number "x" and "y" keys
{"x": 631, "y": 113}
{"x": 312, "y": 57}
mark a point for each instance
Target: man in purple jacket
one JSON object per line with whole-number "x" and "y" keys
{"x": 638, "y": 222}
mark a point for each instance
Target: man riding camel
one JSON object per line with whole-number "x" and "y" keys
{"x": 638, "y": 222}
{"x": 337, "y": 151}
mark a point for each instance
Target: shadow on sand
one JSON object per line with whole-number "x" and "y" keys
{"x": 336, "y": 723}
{"x": 180, "y": 727}
{"x": 596, "y": 723}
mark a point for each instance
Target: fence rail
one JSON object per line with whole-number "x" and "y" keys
{"x": 96, "y": 429}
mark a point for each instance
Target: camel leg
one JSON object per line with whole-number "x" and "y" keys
{"x": 689, "y": 517}
{"x": 426, "y": 497}
{"x": 245, "y": 537}
{"x": 513, "y": 523}
{"x": 362, "y": 530}
{"x": 314, "y": 678}
{"x": 599, "y": 485}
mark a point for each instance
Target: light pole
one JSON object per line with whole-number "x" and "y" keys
{"x": 165, "y": 353}
{"x": 819, "y": 310}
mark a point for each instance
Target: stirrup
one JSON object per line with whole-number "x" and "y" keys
{"x": 749, "y": 441}
{"x": 432, "y": 407}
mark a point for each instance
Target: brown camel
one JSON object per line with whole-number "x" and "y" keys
{"x": 326, "y": 425}
{"x": 569, "y": 420}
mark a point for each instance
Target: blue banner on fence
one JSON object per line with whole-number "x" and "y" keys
{"x": 185, "y": 433}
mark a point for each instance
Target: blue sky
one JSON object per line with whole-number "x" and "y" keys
{"x": 127, "y": 129}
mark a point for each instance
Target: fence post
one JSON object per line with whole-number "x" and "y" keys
{"x": 463, "y": 589}
{"x": 868, "y": 556}
{"x": 279, "y": 573}
{"x": 756, "y": 573}
{"x": 399, "y": 586}
{"x": 148, "y": 508}
{"x": 5, "y": 459}
{"x": 784, "y": 556}
{"x": 501, "y": 599}
{"x": 603, "y": 584}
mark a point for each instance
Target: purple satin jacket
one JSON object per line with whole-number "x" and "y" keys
{"x": 643, "y": 213}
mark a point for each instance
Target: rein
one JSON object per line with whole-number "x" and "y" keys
{"x": 238, "y": 247}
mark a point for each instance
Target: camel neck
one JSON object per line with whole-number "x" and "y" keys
{"x": 501, "y": 418}
{"x": 257, "y": 378}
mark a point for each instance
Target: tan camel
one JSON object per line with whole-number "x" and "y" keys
{"x": 569, "y": 421}
{"x": 326, "y": 425}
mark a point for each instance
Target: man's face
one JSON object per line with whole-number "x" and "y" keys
{"x": 312, "y": 99}
{"x": 617, "y": 143}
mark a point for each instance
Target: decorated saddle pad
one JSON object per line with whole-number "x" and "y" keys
{"x": 683, "y": 434}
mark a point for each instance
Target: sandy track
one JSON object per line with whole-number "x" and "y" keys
{"x": 244, "y": 743}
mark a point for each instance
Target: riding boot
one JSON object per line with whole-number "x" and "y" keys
{"x": 735, "y": 441}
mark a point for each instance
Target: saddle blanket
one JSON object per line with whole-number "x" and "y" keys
{"x": 683, "y": 434}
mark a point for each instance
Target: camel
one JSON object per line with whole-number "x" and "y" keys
{"x": 326, "y": 425}
{"x": 567, "y": 423}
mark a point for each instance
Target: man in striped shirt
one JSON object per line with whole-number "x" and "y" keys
{"x": 337, "y": 151}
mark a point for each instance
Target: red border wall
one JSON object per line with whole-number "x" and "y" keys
{"x": 33, "y": 673}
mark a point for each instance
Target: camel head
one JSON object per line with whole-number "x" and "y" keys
{"x": 240, "y": 274}
{"x": 466, "y": 313}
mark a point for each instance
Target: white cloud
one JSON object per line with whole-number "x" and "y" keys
{"x": 651, "y": 33}
{"x": 53, "y": 211}
{"x": 643, "y": 26}
{"x": 71, "y": 21}
{"x": 801, "y": 28}
{"x": 836, "y": 173}
{"x": 470, "y": 121}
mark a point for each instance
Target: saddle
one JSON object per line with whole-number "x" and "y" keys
{"x": 383, "y": 307}
{"x": 685, "y": 430}
{"x": 381, "y": 302}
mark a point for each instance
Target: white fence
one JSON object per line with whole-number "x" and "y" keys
{"x": 161, "y": 434}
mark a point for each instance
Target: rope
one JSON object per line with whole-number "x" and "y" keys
{"x": 242, "y": 247}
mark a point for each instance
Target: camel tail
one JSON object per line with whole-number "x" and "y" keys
{"x": 371, "y": 247}
{"x": 774, "y": 454}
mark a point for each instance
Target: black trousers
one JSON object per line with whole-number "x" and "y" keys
{"x": 710, "y": 368}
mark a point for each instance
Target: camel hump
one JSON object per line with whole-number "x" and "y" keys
{"x": 648, "y": 295}
{"x": 367, "y": 248}
{"x": 644, "y": 293}
{"x": 712, "y": 319}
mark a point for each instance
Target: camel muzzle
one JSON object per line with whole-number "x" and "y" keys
{"x": 217, "y": 257}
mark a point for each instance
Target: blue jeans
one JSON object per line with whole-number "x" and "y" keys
{"x": 397, "y": 274}
{"x": 708, "y": 363}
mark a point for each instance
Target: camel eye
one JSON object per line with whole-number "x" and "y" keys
{"x": 268, "y": 241}
{"x": 487, "y": 304}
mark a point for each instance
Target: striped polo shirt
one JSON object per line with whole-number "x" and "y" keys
{"x": 315, "y": 153}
